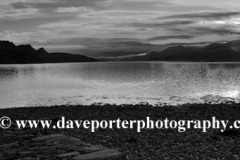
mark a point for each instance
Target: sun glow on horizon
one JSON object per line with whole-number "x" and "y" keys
{"x": 233, "y": 94}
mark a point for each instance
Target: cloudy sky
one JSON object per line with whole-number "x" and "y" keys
{"x": 80, "y": 23}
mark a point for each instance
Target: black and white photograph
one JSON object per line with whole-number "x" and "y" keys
{"x": 119, "y": 80}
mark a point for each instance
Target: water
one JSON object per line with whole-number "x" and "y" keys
{"x": 119, "y": 83}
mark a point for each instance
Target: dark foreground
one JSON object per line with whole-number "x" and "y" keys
{"x": 159, "y": 144}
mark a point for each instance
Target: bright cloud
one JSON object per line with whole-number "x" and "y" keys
{"x": 73, "y": 9}
{"x": 232, "y": 21}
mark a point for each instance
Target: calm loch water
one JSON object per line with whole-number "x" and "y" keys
{"x": 120, "y": 83}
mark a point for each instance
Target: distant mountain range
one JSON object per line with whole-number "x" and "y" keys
{"x": 23, "y": 54}
{"x": 213, "y": 52}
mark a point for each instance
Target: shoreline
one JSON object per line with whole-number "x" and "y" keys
{"x": 167, "y": 62}
{"x": 149, "y": 143}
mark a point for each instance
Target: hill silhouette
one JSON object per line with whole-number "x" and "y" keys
{"x": 235, "y": 45}
{"x": 23, "y": 54}
{"x": 214, "y": 52}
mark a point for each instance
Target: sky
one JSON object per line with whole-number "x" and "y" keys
{"x": 79, "y": 24}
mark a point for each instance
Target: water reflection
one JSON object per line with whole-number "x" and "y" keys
{"x": 8, "y": 72}
{"x": 86, "y": 83}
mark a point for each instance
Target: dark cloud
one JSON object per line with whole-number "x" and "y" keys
{"x": 218, "y": 31}
{"x": 97, "y": 41}
{"x": 58, "y": 3}
{"x": 133, "y": 5}
{"x": 27, "y": 24}
{"x": 199, "y": 31}
{"x": 140, "y": 29}
{"x": 171, "y": 37}
{"x": 157, "y": 25}
{"x": 208, "y": 15}
{"x": 105, "y": 41}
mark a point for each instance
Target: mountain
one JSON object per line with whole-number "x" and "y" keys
{"x": 215, "y": 52}
{"x": 65, "y": 57}
{"x": 12, "y": 54}
{"x": 42, "y": 50}
{"x": 235, "y": 45}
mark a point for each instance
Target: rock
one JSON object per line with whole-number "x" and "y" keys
{"x": 62, "y": 140}
{"x": 26, "y": 152}
{"x": 47, "y": 137}
{"x": 132, "y": 139}
{"x": 30, "y": 158}
{"x": 8, "y": 132}
{"x": 14, "y": 129}
{"x": 8, "y": 135}
{"x": 230, "y": 133}
{"x": 30, "y": 132}
{"x": 55, "y": 146}
{"x": 107, "y": 154}
{"x": 73, "y": 141}
{"x": 27, "y": 137}
{"x": 68, "y": 154}
{"x": 10, "y": 157}
{"x": 14, "y": 144}
{"x": 91, "y": 149}
{"x": 57, "y": 118}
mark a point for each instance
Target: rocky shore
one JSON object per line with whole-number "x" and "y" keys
{"x": 159, "y": 144}
{"x": 52, "y": 147}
